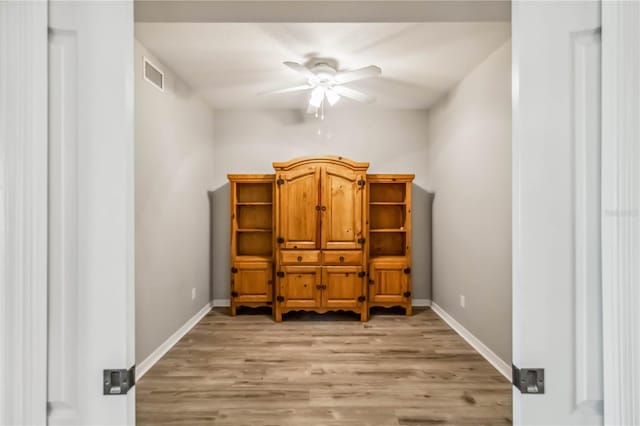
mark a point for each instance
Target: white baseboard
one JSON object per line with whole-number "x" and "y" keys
{"x": 502, "y": 367}
{"x": 418, "y": 303}
{"x": 155, "y": 356}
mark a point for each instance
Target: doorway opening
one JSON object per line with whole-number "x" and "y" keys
{"x": 442, "y": 112}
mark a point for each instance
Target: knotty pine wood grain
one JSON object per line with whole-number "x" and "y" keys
{"x": 323, "y": 370}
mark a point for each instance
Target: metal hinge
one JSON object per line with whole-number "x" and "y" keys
{"x": 361, "y": 298}
{"x": 407, "y": 270}
{"x": 361, "y": 274}
{"x": 280, "y": 274}
{"x": 361, "y": 182}
{"x": 406, "y": 294}
{"x": 118, "y": 382}
{"x": 280, "y": 181}
{"x": 528, "y": 380}
{"x": 234, "y": 294}
{"x": 234, "y": 270}
{"x": 361, "y": 240}
{"x": 280, "y": 240}
{"x": 280, "y": 298}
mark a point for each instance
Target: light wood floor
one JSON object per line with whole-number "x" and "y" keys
{"x": 323, "y": 370}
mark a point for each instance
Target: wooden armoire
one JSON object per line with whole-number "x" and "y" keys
{"x": 321, "y": 235}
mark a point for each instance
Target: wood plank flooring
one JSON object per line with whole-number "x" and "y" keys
{"x": 323, "y": 370}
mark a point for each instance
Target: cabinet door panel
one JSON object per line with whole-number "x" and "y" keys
{"x": 343, "y": 286}
{"x": 342, "y": 199}
{"x": 298, "y": 200}
{"x": 388, "y": 282}
{"x": 253, "y": 281}
{"x": 299, "y": 286}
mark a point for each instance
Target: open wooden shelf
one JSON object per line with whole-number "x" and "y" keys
{"x": 387, "y": 192}
{"x": 391, "y": 243}
{"x": 256, "y": 203}
{"x": 254, "y": 243}
{"x": 387, "y": 230}
{"x": 254, "y": 192}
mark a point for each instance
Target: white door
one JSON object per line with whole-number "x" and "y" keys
{"x": 91, "y": 287}
{"x": 557, "y": 321}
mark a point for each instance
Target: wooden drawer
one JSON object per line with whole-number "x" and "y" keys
{"x": 299, "y": 257}
{"x": 342, "y": 257}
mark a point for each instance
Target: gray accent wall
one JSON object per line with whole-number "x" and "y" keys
{"x": 470, "y": 172}
{"x": 392, "y": 141}
{"x": 174, "y": 156}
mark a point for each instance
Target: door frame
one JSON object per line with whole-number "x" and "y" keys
{"x": 620, "y": 211}
{"x": 23, "y": 197}
{"x": 23, "y": 213}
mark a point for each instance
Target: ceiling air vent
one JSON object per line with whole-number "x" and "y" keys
{"x": 153, "y": 75}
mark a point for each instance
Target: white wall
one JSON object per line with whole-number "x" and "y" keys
{"x": 392, "y": 141}
{"x": 173, "y": 170}
{"x": 470, "y": 173}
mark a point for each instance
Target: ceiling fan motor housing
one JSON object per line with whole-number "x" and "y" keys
{"x": 324, "y": 72}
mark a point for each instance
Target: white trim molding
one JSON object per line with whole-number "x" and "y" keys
{"x": 23, "y": 216}
{"x": 161, "y": 350}
{"x": 621, "y": 211}
{"x": 416, "y": 303}
{"x": 502, "y": 367}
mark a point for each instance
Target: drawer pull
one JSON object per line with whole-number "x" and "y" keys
{"x": 341, "y": 258}
{"x": 299, "y": 258}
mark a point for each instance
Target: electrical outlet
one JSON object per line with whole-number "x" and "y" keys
{"x": 463, "y": 302}
{"x": 193, "y": 293}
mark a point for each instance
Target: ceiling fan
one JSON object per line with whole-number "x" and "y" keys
{"x": 326, "y": 83}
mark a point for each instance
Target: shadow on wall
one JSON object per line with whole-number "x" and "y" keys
{"x": 421, "y": 238}
{"x": 221, "y": 242}
{"x": 220, "y": 205}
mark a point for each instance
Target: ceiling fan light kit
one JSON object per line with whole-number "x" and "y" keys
{"x": 326, "y": 83}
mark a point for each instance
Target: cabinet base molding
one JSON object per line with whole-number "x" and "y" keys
{"x": 416, "y": 303}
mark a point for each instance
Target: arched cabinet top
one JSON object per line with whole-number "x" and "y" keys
{"x": 339, "y": 161}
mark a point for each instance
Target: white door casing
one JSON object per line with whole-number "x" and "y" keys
{"x": 621, "y": 210}
{"x": 23, "y": 212}
{"x": 91, "y": 280}
{"x": 556, "y": 210}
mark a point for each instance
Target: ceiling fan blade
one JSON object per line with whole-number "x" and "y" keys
{"x": 312, "y": 109}
{"x": 359, "y": 74}
{"x": 300, "y": 69}
{"x": 288, "y": 89}
{"x": 353, "y": 94}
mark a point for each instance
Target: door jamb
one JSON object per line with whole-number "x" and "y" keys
{"x": 23, "y": 211}
{"x": 620, "y": 211}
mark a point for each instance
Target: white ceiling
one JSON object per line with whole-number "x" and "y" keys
{"x": 229, "y": 64}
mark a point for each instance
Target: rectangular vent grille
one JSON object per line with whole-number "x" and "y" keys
{"x": 153, "y": 75}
